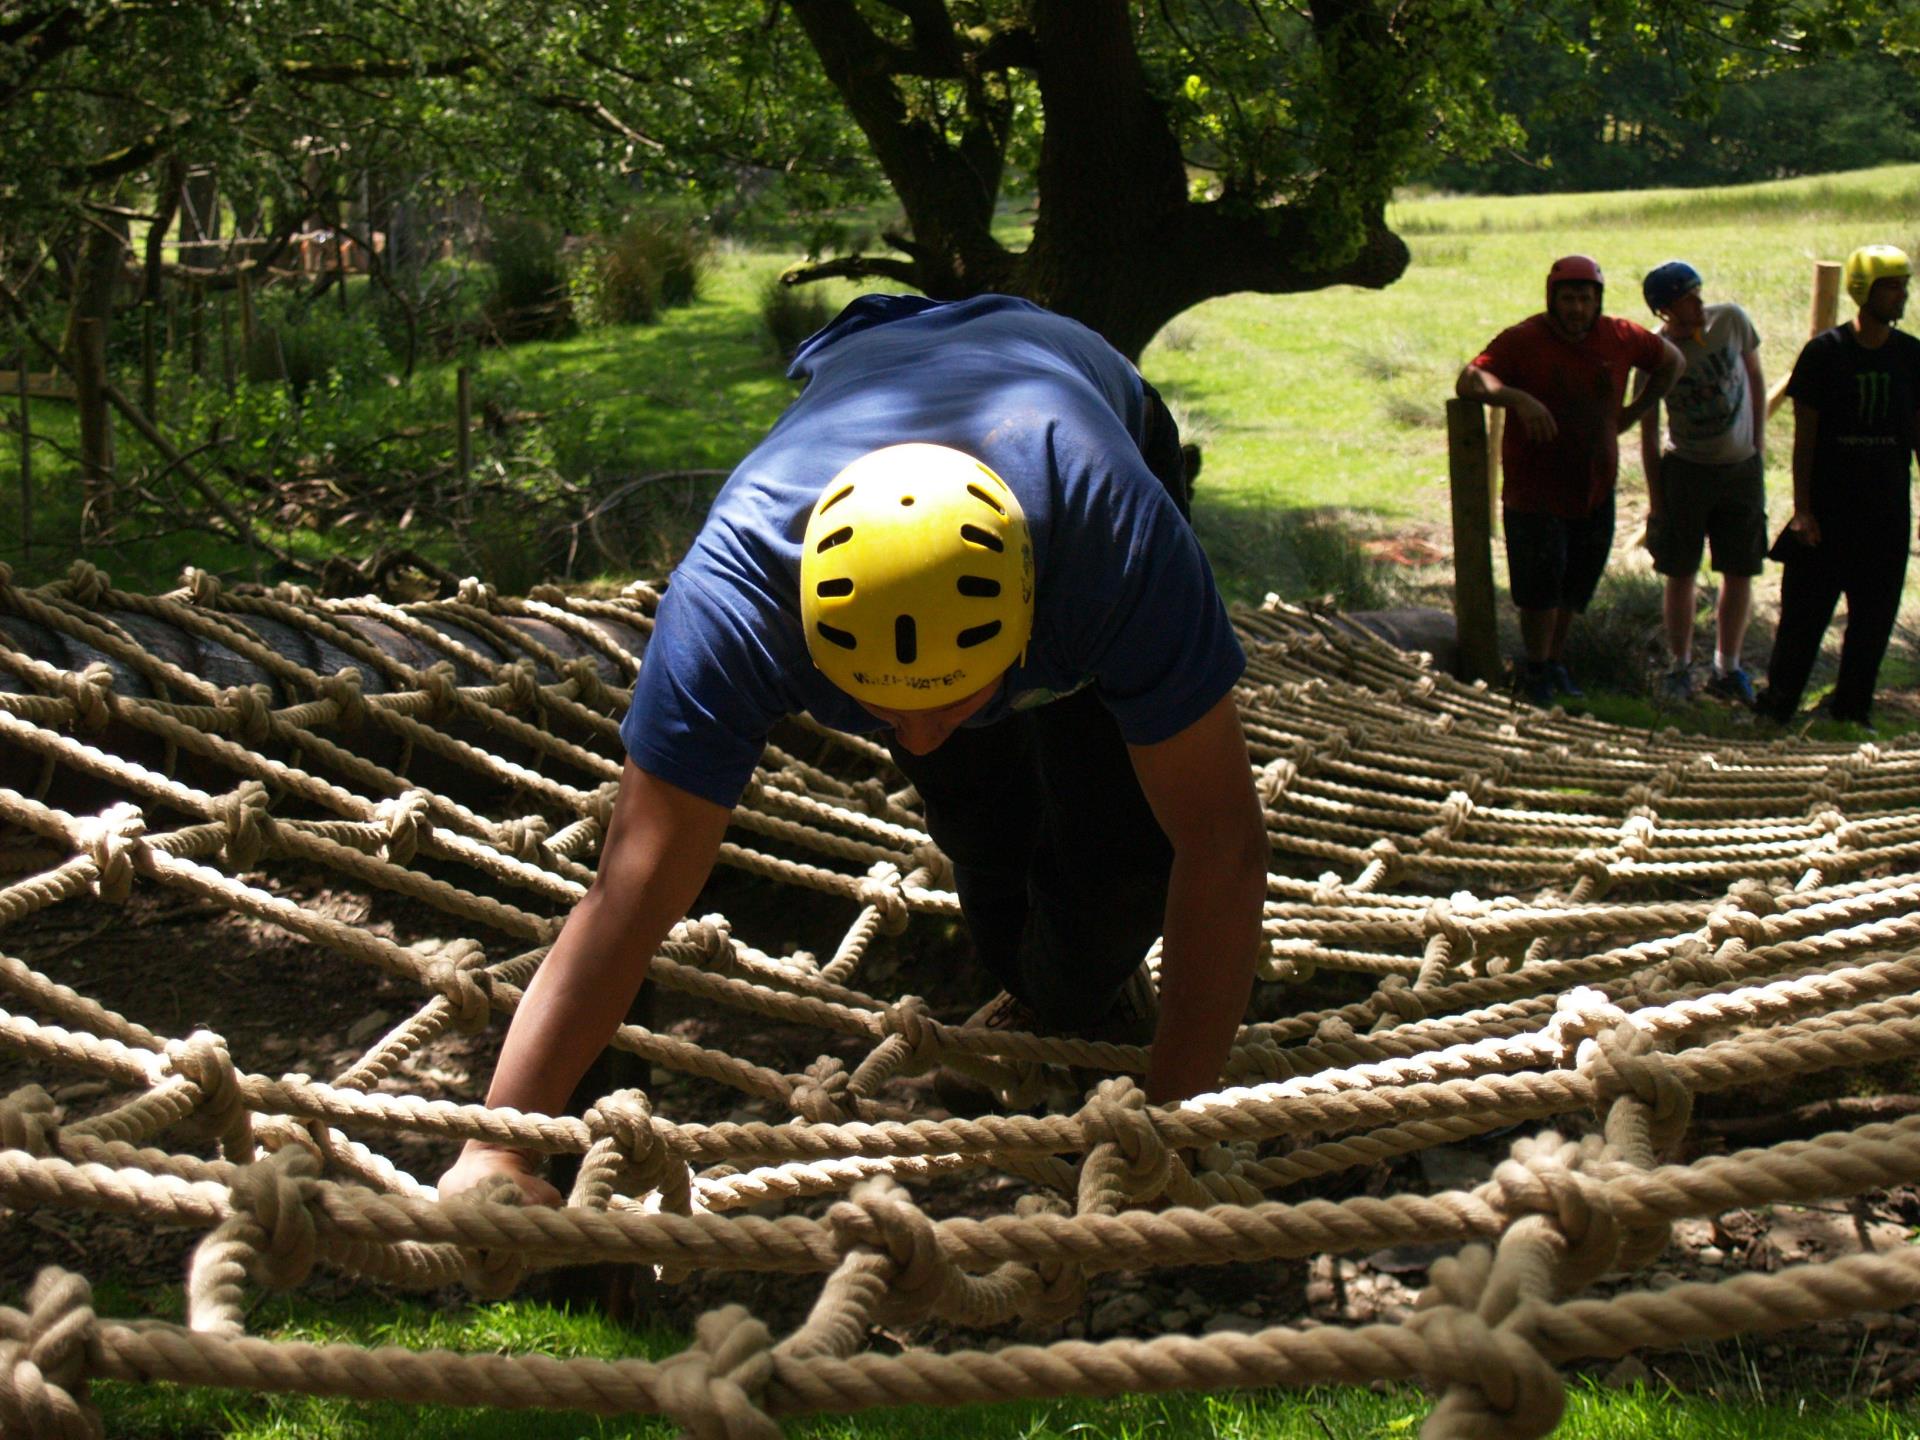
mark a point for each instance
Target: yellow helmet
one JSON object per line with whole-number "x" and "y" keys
{"x": 1871, "y": 263}
{"x": 916, "y": 578}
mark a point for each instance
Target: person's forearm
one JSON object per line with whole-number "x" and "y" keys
{"x": 1486, "y": 387}
{"x": 575, "y": 1002}
{"x": 1206, "y": 973}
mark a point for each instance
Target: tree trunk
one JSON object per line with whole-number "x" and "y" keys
{"x": 89, "y": 324}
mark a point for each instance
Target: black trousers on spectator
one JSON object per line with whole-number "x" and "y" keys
{"x": 1061, "y": 867}
{"x": 1867, "y": 563}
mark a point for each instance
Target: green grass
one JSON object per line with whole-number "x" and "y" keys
{"x": 149, "y": 1412}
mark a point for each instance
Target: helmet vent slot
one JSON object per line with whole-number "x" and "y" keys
{"x": 984, "y": 538}
{"x": 978, "y": 587}
{"x": 834, "y": 589}
{"x": 838, "y": 537}
{"x": 836, "y": 498}
{"x": 906, "y": 640}
{"x": 986, "y": 499}
{"x": 833, "y": 636}
{"x": 978, "y": 634}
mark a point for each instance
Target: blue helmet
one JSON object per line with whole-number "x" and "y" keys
{"x": 1667, "y": 283}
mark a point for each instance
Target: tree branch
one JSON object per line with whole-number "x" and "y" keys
{"x": 851, "y": 267}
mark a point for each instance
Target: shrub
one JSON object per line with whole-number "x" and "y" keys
{"x": 645, "y": 266}
{"x": 529, "y": 280}
{"x": 791, "y": 313}
{"x": 1298, "y": 554}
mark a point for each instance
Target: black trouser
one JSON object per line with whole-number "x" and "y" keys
{"x": 1868, "y": 564}
{"x": 1062, "y": 869}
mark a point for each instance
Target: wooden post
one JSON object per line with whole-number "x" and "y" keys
{"x": 246, "y": 315}
{"x": 1496, "y": 434}
{"x": 463, "y": 420}
{"x": 1822, "y": 314}
{"x": 26, "y": 465}
{"x": 1473, "y": 611}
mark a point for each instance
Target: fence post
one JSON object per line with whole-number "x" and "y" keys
{"x": 1473, "y": 613}
{"x": 1496, "y": 435}
{"x": 26, "y": 465}
{"x": 463, "y": 420}
{"x": 1822, "y": 314}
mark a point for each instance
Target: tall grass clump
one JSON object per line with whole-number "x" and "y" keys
{"x": 529, "y": 300}
{"x": 1619, "y": 642}
{"x": 309, "y": 344}
{"x": 791, "y": 313}
{"x": 648, "y": 265}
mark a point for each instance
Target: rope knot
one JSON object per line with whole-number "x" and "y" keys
{"x": 90, "y": 693}
{"x": 589, "y": 688}
{"x": 202, "y": 586}
{"x": 44, "y": 1359}
{"x": 350, "y": 705}
{"x": 202, "y": 1058}
{"x": 878, "y": 1214}
{"x": 523, "y": 685}
{"x": 1276, "y": 777}
{"x": 1293, "y": 960}
{"x": 1623, "y": 1061}
{"x": 598, "y": 806}
{"x": 1500, "y": 1387}
{"x": 243, "y": 811}
{"x": 476, "y": 592}
{"x": 712, "y": 1386}
{"x": 1117, "y": 1116}
{"x": 458, "y": 972}
{"x": 526, "y": 838}
{"x": 882, "y": 890}
{"x": 548, "y": 594}
{"x": 820, "y": 1095}
{"x": 28, "y": 1121}
{"x": 1539, "y": 1179}
{"x": 402, "y": 817}
{"x": 111, "y": 840}
{"x": 1727, "y": 921}
{"x": 278, "y": 1192}
{"x": 910, "y": 1019}
{"x": 1394, "y": 996}
{"x": 248, "y": 710}
{"x": 1441, "y": 919}
{"x": 1590, "y": 868}
{"x": 711, "y": 935}
{"x": 441, "y": 686}
{"x": 86, "y": 585}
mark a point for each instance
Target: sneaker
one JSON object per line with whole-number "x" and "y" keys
{"x": 1676, "y": 686}
{"x": 1562, "y": 682}
{"x": 1735, "y": 685}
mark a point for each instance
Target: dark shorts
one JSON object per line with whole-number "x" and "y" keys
{"x": 1726, "y": 504}
{"x": 1555, "y": 563}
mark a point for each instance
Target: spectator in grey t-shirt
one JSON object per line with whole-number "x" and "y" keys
{"x": 1709, "y": 482}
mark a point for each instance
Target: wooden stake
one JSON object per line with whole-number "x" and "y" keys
{"x": 463, "y": 420}
{"x": 1823, "y": 313}
{"x": 1473, "y": 611}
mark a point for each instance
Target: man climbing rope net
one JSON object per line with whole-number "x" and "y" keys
{"x": 969, "y": 538}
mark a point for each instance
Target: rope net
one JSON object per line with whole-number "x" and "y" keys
{"x": 1544, "y": 921}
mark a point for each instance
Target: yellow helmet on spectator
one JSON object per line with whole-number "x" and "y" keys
{"x": 916, "y": 578}
{"x": 1871, "y": 264}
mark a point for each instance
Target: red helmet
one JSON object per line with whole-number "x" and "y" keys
{"x": 1575, "y": 267}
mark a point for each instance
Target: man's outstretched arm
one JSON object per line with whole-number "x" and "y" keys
{"x": 659, "y": 848}
{"x": 1200, "y": 786}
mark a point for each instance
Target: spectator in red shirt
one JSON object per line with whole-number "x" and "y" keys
{"x": 1563, "y": 373}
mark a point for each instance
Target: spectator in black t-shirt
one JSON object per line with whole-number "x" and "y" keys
{"x": 1856, "y": 394}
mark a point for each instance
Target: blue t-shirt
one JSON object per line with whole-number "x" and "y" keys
{"x": 1124, "y": 598}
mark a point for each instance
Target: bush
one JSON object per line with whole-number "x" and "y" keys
{"x": 530, "y": 299}
{"x": 648, "y": 265}
{"x": 792, "y": 313}
{"x": 311, "y": 344}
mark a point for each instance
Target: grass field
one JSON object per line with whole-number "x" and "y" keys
{"x": 1594, "y": 1412}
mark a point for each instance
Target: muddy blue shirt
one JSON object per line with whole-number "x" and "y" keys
{"x": 1124, "y": 599}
